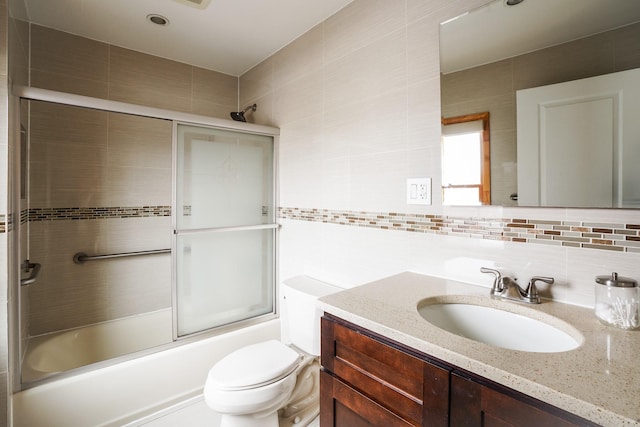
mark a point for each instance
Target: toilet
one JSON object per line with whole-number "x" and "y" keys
{"x": 274, "y": 383}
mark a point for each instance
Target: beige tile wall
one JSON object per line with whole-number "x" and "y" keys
{"x": 68, "y": 63}
{"x": 127, "y": 84}
{"x": 67, "y": 156}
{"x": 69, "y": 295}
{"x": 354, "y": 98}
{"x": 86, "y": 158}
{"x": 73, "y": 64}
{"x": 19, "y": 52}
{"x": 493, "y": 87}
{"x": 138, "y": 161}
{"x": 89, "y": 158}
{"x": 357, "y": 101}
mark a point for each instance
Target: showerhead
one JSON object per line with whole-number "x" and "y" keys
{"x": 238, "y": 116}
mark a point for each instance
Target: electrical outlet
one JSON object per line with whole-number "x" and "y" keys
{"x": 418, "y": 191}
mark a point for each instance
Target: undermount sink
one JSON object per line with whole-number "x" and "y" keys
{"x": 499, "y": 327}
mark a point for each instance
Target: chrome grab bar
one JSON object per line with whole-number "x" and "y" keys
{"x": 81, "y": 257}
{"x": 35, "y": 269}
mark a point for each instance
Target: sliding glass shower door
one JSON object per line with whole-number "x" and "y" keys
{"x": 224, "y": 233}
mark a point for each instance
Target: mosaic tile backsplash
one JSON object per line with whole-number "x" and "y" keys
{"x": 619, "y": 237}
{"x": 579, "y": 234}
{"x": 53, "y": 214}
{"x": 60, "y": 214}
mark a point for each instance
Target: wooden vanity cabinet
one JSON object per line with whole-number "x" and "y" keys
{"x": 474, "y": 404}
{"x": 369, "y": 380}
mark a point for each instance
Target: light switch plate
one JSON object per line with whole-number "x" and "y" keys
{"x": 418, "y": 191}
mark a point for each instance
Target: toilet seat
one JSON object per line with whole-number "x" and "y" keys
{"x": 254, "y": 366}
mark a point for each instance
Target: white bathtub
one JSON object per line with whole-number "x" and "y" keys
{"x": 57, "y": 352}
{"x": 117, "y": 394}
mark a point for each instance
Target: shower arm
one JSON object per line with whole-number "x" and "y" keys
{"x": 250, "y": 107}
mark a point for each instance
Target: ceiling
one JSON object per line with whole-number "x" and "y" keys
{"x": 496, "y": 31}
{"x": 229, "y": 36}
{"x": 232, "y": 36}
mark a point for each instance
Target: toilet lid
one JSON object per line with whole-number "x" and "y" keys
{"x": 254, "y": 365}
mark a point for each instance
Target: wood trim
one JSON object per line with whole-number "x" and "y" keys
{"x": 485, "y": 186}
{"x": 461, "y": 186}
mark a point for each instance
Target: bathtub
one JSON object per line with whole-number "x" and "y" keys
{"x": 61, "y": 351}
{"x": 124, "y": 392}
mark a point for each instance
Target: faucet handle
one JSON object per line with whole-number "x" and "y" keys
{"x": 492, "y": 271}
{"x": 496, "y": 281}
{"x": 532, "y": 291}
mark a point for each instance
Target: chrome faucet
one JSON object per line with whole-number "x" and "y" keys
{"x": 505, "y": 287}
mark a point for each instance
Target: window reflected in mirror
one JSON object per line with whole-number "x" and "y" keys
{"x": 466, "y": 160}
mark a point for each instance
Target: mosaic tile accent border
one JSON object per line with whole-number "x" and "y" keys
{"x": 61, "y": 214}
{"x": 6, "y": 223}
{"x": 578, "y": 234}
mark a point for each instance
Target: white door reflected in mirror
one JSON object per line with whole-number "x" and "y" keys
{"x": 578, "y": 142}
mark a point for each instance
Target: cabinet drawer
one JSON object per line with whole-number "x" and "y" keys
{"x": 402, "y": 383}
{"x": 475, "y": 404}
{"x": 343, "y": 406}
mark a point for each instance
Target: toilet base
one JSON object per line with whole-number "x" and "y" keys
{"x": 304, "y": 404}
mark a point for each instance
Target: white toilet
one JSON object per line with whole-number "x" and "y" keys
{"x": 274, "y": 383}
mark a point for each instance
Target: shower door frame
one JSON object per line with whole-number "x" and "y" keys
{"x": 174, "y": 237}
{"x": 63, "y": 98}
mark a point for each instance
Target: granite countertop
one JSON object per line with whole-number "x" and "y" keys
{"x": 599, "y": 380}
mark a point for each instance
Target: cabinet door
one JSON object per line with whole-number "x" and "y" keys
{"x": 403, "y": 383}
{"x": 475, "y": 405}
{"x": 342, "y": 406}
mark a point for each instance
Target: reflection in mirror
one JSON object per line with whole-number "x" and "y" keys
{"x": 593, "y": 123}
{"x": 547, "y": 43}
{"x": 466, "y": 160}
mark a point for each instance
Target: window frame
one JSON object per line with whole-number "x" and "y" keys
{"x": 484, "y": 189}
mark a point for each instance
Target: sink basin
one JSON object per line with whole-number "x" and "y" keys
{"x": 501, "y": 328}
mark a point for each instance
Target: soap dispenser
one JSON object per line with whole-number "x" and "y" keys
{"x": 617, "y": 301}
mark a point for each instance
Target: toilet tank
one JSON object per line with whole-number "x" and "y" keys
{"x": 300, "y": 318}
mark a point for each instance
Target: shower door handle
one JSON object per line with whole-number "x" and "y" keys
{"x": 34, "y": 267}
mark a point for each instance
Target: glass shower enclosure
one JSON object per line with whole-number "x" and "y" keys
{"x": 224, "y": 231}
{"x": 105, "y": 186}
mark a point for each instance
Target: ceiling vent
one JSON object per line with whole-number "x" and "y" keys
{"x": 200, "y": 4}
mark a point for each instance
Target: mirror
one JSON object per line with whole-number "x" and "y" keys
{"x": 490, "y": 53}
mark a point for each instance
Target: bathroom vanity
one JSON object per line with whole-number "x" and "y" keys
{"x": 385, "y": 365}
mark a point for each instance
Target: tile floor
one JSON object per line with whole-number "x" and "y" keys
{"x": 190, "y": 413}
